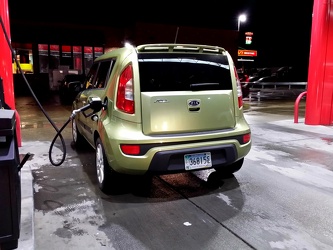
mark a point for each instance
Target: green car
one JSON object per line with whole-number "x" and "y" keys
{"x": 166, "y": 108}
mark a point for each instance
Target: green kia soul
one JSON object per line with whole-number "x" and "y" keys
{"x": 167, "y": 108}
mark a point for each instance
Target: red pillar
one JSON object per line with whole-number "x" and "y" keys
{"x": 6, "y": 69}
{"x": 319, "y": 100}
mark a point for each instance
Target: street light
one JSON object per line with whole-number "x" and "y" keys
{"x": 241, "y": 18}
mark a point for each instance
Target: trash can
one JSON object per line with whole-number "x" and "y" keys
{"x": 10, "y": 182}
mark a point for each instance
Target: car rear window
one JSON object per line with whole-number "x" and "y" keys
{"x": 183, "y": 72}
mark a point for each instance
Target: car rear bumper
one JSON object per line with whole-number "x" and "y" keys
{"x": 172, "y": 161}
{"x": 165, "y": 155}
{"x": 167, "y": 159}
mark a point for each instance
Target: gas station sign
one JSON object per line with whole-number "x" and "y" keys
{"x": 248, "y": 37}
{"x": 244, "y": 52}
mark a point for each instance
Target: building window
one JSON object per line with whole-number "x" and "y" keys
{"x": 77, "y": 58}
{"x": 54, "y": 59}
{"x": 43, "y": 56}
{"x": 66, "y": 58}
{"x": 98, "y": 51}
{"x": 88, "y": 58}
{"x": 23, "y": 53}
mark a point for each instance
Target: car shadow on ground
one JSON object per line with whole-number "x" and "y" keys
{"x": 189, "y": 184}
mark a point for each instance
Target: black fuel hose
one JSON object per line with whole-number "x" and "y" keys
{"x": 40, "y": 106}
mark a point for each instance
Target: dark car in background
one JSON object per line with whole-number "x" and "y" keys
{"x": 70, "y": 86}
{"x": 260, "y": 73}
{"x": 280, "y": 74}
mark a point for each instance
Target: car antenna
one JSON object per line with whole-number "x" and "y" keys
{"x": 176, "y": 34}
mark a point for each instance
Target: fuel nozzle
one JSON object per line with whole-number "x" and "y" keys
{"x": 95, "y": 104}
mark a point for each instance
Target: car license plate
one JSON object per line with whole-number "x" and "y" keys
{"x": 196, "y": 161}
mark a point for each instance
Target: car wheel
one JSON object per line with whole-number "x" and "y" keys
{"x": 230, "y": 169}
{"x": 103, "y": 169}
{"x": 76, "y": 135}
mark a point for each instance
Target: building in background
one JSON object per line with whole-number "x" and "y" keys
{"x": 47, "y": 51}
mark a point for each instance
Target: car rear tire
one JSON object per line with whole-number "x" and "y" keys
{"x": 78, "y": 139}
{"x": 105, "y": 175}
{"x": 230, "y": 169}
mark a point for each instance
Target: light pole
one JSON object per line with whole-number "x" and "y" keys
{"x": 241, "y": 18}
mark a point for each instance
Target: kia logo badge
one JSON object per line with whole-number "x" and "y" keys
{"x": 193, "y": 103}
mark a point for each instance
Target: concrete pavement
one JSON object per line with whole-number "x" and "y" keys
{"x": 274, "y": 114}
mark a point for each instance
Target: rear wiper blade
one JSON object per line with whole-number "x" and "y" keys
{"x": 204, "y": 86}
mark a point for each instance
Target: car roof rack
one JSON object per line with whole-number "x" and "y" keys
{"x": 171, "y": 47}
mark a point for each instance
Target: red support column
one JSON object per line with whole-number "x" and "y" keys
{"x": 319, "y": 101}
{"x": 6, "y": 69}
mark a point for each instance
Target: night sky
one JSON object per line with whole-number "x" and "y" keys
{"x": 282, "y": 29}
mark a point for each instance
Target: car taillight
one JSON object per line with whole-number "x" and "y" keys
{"x": 130, "y": 149}
{"x": 125, "y": 94}
{"x": 246, "y": 138}
{"x": 239, "y": 90}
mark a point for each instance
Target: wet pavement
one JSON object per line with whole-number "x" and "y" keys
{"x": 280, "y": 199}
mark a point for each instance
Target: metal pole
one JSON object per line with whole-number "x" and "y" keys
{"x": 319, "y": 100}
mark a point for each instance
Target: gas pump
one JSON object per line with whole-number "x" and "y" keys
{"x": 10, "y": 165}
{"x": 10, "y": 181}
